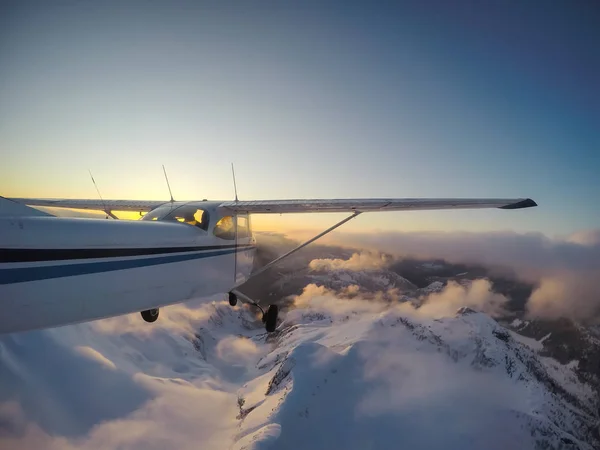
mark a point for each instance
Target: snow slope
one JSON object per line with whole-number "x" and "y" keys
{"x": 356, "y": 376}
{"x": 339, "y": 373}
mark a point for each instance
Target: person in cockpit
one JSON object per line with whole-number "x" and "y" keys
{"x": 203, "y": 223}
{"x": 191, "y": 218}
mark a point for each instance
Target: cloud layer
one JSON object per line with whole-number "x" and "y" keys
{"x": 478, "y": 295}
{"x": 529, "y": 253}
{"x": 564, "y": 270}
{"x": 358, "y": 261}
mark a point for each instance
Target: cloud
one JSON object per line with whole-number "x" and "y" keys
{"x": 358, "y": 261}
{"x": 478, "y": 295}
{"x": 325, "y": 301}
{"x": 564, "y": 270}
{"x": 237, "y": 350}
{"x": 586, "y": 237}
{"x": 532, "y": 253}
{"x": 338, "y": 306}
{"x": 571, "y": 295}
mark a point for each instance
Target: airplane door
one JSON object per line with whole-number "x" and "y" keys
{"x": 245, "y": 243}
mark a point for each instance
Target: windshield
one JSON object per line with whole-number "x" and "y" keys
{"x": 189, "y": 214}
{"x": 160, "y": 212}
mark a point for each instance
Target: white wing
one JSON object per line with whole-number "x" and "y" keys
{"x": 97, "y": 205}
{"x": 298, "y": 206}
{"x": 374, "y": 204}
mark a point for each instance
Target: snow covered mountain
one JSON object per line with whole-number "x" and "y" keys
{"x": 339, "y": 373}
{"x": 346, "y": 376}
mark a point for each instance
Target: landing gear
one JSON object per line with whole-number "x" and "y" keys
{"x": 150, "y": 315}
{"x": 269, "y": 318}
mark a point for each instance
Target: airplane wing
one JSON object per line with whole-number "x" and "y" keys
{"x": 373, "y": 204}
{"x": 97, "y": 205}
{"x": 298, "y": 206}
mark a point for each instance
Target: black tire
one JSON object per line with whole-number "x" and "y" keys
{"x": 150, "y": 315}
{"x": 270, "y": 318}
{"x": 232, "y": 299}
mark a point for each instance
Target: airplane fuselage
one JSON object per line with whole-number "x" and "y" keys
{"x": 57, "y": 271}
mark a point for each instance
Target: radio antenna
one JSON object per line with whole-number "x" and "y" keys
{"x": 98, "y": 191}
{"x": 168, "y": 185}
{"x": 235, "y": 223}
{"x": 234, "y": 185}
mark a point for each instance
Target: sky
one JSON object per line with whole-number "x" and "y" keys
{"x": 308, "y": 100}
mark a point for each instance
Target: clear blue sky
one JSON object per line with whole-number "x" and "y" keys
{"x": 308, "y": 99}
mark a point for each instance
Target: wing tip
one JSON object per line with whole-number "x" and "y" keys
{"x": 527, "y": 203}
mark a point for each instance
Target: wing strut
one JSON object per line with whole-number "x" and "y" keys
{"x": 301, "y": 246}
{"x": 270, "y": 318}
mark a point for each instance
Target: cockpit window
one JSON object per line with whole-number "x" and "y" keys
{"x": 243, "y": 228}
{"x": 191, "y": 216}
{"x": 159, "y": 213}
{"x": 187, "y": 214}
{"x": 224, "y": 228}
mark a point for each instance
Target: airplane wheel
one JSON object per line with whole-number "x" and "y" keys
{"x": 150, "y": 315}
{"x": 232, "y": 299}
{"x": 270, "y": 318}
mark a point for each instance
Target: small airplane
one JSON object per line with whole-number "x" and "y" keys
{"x": 56, "y": 271}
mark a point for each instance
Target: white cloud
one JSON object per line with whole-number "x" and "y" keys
{"x": 316, "y": 298}
{"x": 477, "y": 295}
{"x": 358, "y": 261}
{"x": 585, "y": 237}
{"x": 571, "y": 295}
{"x": 237, "y": 350}
{"x": 337, "y": 305}
{"x": 564, "y": 270}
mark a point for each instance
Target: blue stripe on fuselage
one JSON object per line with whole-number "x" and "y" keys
{"x": 24, "y": 274}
